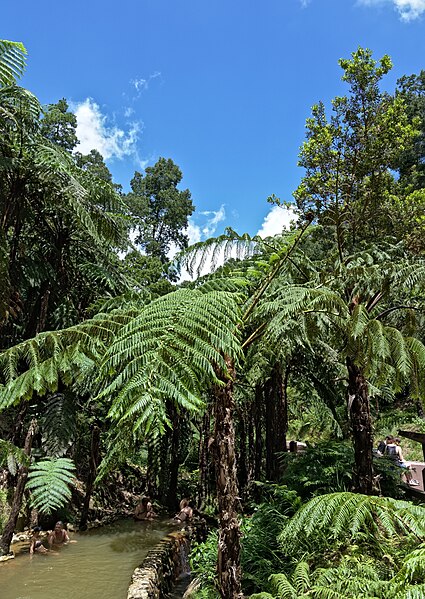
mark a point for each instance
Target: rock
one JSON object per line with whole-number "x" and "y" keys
{"x": 5, "y": 558}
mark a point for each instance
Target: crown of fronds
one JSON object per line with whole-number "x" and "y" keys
{"x": 37, "y": 365}
{"x": 171, "y": 350}
{"x": 49, "y": 482}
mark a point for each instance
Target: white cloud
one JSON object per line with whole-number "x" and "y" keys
{"x": 214, "y": 217}
{"x": 94, "y": 132}
{"x": 193, "y": 232}
{"x": 409, "y": 10}
{"x": 141, "y": 83}
{"x": 304, "y": 3}
{"x": 276, "y": 220}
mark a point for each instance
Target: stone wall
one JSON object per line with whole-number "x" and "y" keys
{"x": 161, "y": 567}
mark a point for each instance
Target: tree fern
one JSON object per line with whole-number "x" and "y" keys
{"x": 349, "y": 516}
{"x": 49, "y": 482}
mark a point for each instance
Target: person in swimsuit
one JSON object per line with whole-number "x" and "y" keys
{"x": 185, "y": 512}
{"x": 58, "y": 536}
{"x": 144, "y": 510}
{"x": 36, "y": 545}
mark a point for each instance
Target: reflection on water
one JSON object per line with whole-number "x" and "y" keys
{"x": 98, "y": 566}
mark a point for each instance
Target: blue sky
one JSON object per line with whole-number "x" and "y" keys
{"x": 221, "y": 87}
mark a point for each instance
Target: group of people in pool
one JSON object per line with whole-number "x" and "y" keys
{"x": 58, "y": 536}
{"x": 144, "y": 511}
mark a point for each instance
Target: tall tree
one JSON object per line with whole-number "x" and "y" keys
{"x": 159, "y": 209}
{"x": 59, "y": 125}
{"x": 348, "y": 158}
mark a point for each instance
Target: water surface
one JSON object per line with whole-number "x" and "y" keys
{"x": 98, "y": 566}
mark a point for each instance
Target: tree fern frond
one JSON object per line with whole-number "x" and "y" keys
{"x": 8, "y": 449}
{"x": 58, "y": 423}
{"x": 346, "y": 515}
{"x": 12, "y": 61}
{"x": 49, "y": 482}
{"x": 301, "y": 577}
{"x": 283, "y": 587}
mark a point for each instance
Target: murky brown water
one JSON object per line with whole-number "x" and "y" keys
{"x": 98, "y": 566}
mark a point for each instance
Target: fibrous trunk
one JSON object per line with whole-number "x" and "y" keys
{"x": 276, "y": 423}
{"x": 228, "y": 559}
{"x": 361, "y": 427}
{"x": 18, "y": 495}
{"x": 94, "y": 463}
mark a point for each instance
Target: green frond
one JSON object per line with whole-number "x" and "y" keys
{"x": 283, "y": 587}
{"x": 413, "y": 567}
{"x": 49, "y": 482}
{"x": 170, "y": 351}
{"x": 58, "y": 423}
{"x": 12, "y": 455}
{"x": 346, "y": 515}
{"x": 12, "y": 61}
{"x": 358, "y": 322}
{"x": 301, "y": 577}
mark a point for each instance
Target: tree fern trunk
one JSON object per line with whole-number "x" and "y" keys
{"x": 241, "y": 460}
{"x": 22, "y": 476}
{"x": 361, "y": 427}
{"x": 203, "y": 459}
{"x": 94, "y": 463}
{"x": 174, "y": 458}
{"x": 228, "y": 559}
{"x": 276, "y": 422}
{"x": 258, "y": 419}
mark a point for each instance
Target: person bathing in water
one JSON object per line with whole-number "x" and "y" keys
{"x": 58, "y": 536}
{"x": 36, "y": 545}
{"x": 144, "y": 510}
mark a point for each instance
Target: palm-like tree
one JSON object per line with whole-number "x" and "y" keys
{"x": 356, "y": 311}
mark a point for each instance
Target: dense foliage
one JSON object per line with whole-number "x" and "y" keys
{"x": 108, "y": 364}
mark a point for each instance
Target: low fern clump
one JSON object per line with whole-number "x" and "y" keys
{"x": 343, "y": 545}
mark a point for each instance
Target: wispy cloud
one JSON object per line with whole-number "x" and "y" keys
{"x": 409, "y": 10}
{"x": 140, "y": 83}
{"x": 304, "y": 3}
{"x": 95, "y": 132}
{"x": 276, "y": 221}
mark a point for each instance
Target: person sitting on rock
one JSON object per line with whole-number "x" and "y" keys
{"x": 144, "y": 510}
{"x": 58, "y": 536}
{"x": 185, "y": 512}
{"x": 36, "y": 545}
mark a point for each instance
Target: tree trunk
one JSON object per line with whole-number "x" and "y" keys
{"x": 152, "y": 468}
{"x": 174, "y": 458}
{"x": 241, "y": 459}
{"x": 228, "y": 559}
{"x": 22, "y": 476}
{"x": 276, "y": 423}
{"x": 361, "y": 427}
{"x": 94, "y": 463}
{"x": 258, "y": 417}
{"x": 203, "y": 489}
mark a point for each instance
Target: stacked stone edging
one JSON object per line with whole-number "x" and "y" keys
{"x": 161, "y": 567}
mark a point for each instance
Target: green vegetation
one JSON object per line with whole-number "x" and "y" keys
{"x": 110, "y": 370}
